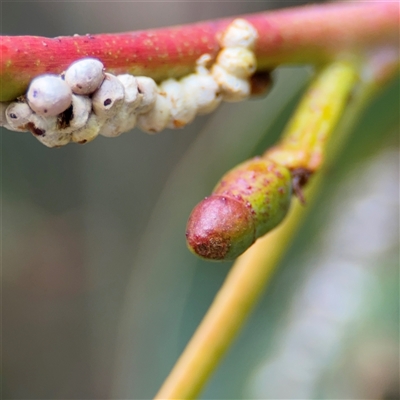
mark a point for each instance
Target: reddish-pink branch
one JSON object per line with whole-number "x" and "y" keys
{"x": 308, "y": 34}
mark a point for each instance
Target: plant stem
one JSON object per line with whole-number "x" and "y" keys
{"x": 253, "y": 270}
{"x": 307, "y": 34}
{"x": 304, "y": 140}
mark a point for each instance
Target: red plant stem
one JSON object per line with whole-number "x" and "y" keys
{"x": 307, "y": 34}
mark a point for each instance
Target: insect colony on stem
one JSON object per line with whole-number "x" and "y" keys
{"x": 86, "y": 101}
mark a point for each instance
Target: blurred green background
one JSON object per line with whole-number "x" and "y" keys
{"x": 100, "y": 294}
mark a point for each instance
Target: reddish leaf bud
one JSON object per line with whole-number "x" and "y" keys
{"x": 248, "y": 202}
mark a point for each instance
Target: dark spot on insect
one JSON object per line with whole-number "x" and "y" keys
{"x": 13, "y": 116}
{"x": 35, "y": 131}
{"x": 45, "y": 110}
{"x": 139, "y": 90}
{"x": 82, "y": 141}
{"x": 79, "y": 86}
{"x": 107, "y": 102}
{"x": 35, "y": 93}
{"x": 65, "y": 118}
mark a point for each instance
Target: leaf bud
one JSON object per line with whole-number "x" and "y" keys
{"x": 248, "y": 202}
{"x": 220, "y": 228}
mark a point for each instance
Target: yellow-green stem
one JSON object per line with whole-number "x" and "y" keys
{"x": 305, "y": 138}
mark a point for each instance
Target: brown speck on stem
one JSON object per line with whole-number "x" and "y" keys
{"x": 260, "y": 83}
{"x": 300, "y": 177}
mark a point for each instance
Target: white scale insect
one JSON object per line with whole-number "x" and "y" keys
{"x": 85, "y": 101}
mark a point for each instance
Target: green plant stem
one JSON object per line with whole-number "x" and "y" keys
{"x": 305, "y": 138}
{"x": 247, "y": 280}
{"x": 306, "y": 34}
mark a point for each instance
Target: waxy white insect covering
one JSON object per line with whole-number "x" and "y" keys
{"x": 85, "y": 101}
{"x": 85, "y": 76}
{"x": 49, "y": 95}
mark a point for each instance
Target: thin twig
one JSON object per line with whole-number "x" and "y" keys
{"x": 307, "y": 34}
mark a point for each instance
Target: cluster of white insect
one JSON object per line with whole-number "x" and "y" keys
{"x": 85, "y": 101}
